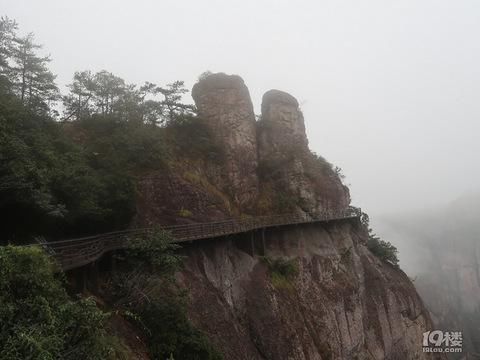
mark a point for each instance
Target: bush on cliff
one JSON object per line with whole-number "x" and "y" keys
{"x": 282, "y": 271}
{"x": 38, "y": 320}
{"x": 383, "y": 249}
{"x": 171, "y": 333}
{"x": 147, "y": 289}
{"x": 380, "y": 248}
{"x": 190, "y": 137}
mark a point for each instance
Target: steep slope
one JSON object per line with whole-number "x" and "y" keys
{"x": 342, "y": 304}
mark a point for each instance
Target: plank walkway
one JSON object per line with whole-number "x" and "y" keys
{"x": 74, "y": 253}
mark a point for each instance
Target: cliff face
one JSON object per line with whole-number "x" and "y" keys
{"x": 342, "y": 304}
{"x": 308, "y": 292}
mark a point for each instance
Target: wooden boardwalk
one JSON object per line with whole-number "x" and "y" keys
{"x": 74, "y": 253}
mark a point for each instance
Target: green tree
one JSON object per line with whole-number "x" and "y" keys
{"x": 175, "y": 109}
{"x": 97, "y": 93}
{"x": 104, "y": 93}
{"x": 109, "y": 88}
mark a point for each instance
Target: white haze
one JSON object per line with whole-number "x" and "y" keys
{"x": 389, "y": 89}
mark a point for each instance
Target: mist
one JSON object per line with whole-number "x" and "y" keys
{"x": 388, "y": 89}
{"x": 439, "y": 249}
{"x": 389, "y": 93}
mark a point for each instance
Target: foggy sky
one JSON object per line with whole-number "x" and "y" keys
{"x": 389, "y": 89}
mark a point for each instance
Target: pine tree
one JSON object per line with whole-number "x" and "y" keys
{"x": 32, "y": 81}
{"x": 78, "y": 103}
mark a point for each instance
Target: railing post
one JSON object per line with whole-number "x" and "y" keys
{"x": 252, "y": 243}
{"x": 263, "y": 241}
{"x": 113, "y": 262}
{"x": 81, "y": 279}
{"x": 93, "y": 275}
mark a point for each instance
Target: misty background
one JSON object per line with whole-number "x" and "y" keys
{"x": 389, "y": 89}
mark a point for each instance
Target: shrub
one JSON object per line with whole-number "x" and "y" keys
{"x": 282, "y": 271}
{"x": 155, "y": 302}
{"x": 184, "y": 213}
{"x": 383, "y": 249}
{"x": 119, "y": 145}
{"x": 380, "y": 248}
{"x": 191, "y": 138}
{"x": 171, "y": 333}
{"x": 155, "y": 250}
{"x": 37, "y": 318}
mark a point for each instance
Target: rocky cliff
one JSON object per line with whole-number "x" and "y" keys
{"x": 342, "y": 303}
{"x": 307, "y": 292}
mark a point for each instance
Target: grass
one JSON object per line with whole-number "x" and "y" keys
{"x": 282, "y": 271}
{"x": 185, "y": 213}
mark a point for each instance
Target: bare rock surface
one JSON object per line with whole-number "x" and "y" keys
{"x": 343, "y": 304}
{"x": 223, "y": 101}
{"x": 282, "y": 110}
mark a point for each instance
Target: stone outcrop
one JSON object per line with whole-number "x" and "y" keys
{"x": 282, "y": 142}
{"x": 263, "y": 167}
{"x": 282, "y": 111}
{"x": 223, "y": 101}
{"x": 343, "y": 304}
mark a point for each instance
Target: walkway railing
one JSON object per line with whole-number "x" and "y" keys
{"x": 74, "y": 253}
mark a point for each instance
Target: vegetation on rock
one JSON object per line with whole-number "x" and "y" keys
{"x": 384, "y": 250}
{"x": 75, "y": 174}
{"x": 38, "y": 320}
{"x": 282, "y": 271}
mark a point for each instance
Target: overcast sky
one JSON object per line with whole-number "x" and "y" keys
{"x": 389, "y": 89}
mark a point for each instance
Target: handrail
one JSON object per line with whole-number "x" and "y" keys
{"x": 72, "y": 253}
